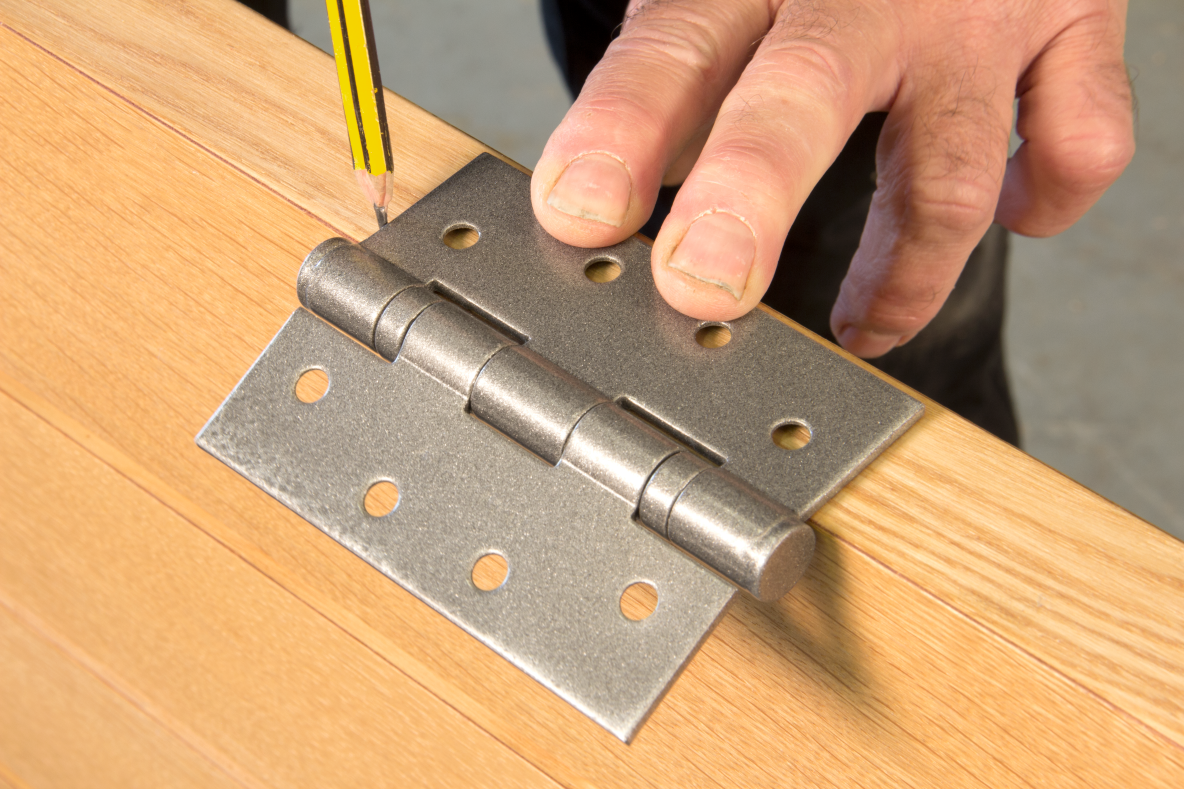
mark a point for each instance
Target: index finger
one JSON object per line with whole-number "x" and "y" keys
{"x": 600, "y": 172}
{"x": 814, "y": 77}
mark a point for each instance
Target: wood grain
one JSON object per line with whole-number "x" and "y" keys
{"x": 9, "y": 781}
{"x": 63, "y": 726}
{"x": 972, "y": 617}
{"x": 247, "y": 91}
{"x": 286, "y": 134}
{"x": 259, "y": 683}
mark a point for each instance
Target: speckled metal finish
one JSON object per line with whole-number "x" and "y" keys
{"x": 617, "y": 450}
{"x": 525, "y": 396}
{"x": 351, "y": 297}
{"x": 581, "y": 457}
{"x": 664, "y": 487}
{"x": 623, "y": 340}
{"x": 563, "y": 420}
{"x": 451, "y": 345}
{"x": 465, "y": 490}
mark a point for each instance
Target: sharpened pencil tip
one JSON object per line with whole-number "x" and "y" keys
{"x": 380, "y": 215}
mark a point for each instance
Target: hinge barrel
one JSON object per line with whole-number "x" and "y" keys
{"x": 617, "y": 450}
{"x": 451, "y": 345}
{"x": 756, "y": 543}
{"x": 525, "y": 396}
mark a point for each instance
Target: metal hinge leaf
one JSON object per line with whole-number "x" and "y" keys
{"x": 568, "y": 423}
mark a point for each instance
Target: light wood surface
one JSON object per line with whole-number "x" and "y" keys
{"x": 252, "y": 679}
{"x": 75, "y": 721}
{"x": 10, "y": 781}
{"x": 972, "y": 617}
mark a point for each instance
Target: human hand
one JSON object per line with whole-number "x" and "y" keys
{"x": 748, "y": 102}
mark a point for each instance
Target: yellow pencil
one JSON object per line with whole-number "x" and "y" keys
{"x": 361, "y": 96}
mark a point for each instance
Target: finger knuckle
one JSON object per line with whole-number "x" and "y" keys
{"x": 758, "y": 165}
{"x": 897, "y": 306}
{"x": 1089, "y": 163}
{"x": 806, "y": 19}
{"x": 956, "y": 206}
{"x": 820, "y": 68}
{"x": 686, "y": 43}
{"x": 624, "y": 113}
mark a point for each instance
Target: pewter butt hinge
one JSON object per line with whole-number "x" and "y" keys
{"x": 525, "y": 404}
{"x": 754, "y": 542}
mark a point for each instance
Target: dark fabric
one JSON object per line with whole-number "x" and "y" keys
{"x": 275, "y": 10}
{"x": 578, "y": 32}
{"x": 957, "y": 359}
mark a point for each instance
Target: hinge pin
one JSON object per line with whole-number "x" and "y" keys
{"x": 754, "y": 542}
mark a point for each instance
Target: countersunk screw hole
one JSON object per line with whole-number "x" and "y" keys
{"x": 381, "y": 499}
{"x": 602, "y": 270}
{"x": 461, "y": 236}
{"x": 490, "y": 572}
{"x": 639, "y": 600}
{"x": 713, "y": 335}
{"x": 791, "y": 435}
{"x": 312, "y": 385}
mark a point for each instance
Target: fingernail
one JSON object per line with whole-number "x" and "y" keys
{"x": 868, "y": 344}
{"x": 595, "y": 186}
{"x": 717, "y": 249}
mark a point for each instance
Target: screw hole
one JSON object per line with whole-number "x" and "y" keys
{"x": 791, "y": 435}
{"x": 381, "y": 499}
{"x": 461, "y": 236}
{"x": 602, "y": 270}
{"x": 490, "y": 572}
{"x": 312, "y": 385}
{"x": 639, "y": 600}
{"x": 713, "y": 335}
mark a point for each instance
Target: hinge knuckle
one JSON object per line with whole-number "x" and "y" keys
{"x": 752, "y": 541}
{"x": 349, "y": 286}
{"x": 663, "y": 488}
{"x": 396, "y": 319}
{"x": 531, "y": 400}
{"x": 617, "y": 449}
{"x": 755, "y": 543}
{"x": 451, "y": 345}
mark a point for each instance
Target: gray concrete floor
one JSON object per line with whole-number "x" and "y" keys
{"x": 1096, "y": 315}
{"x": 1096, "y": 325}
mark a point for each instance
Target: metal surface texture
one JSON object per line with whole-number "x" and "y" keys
{"x": 526, "y": 397}
{"x": 451, "y": 346}
{"x": 465, "y": 490}
{"x": 755, "y": 543}
{"x": 623, "y": 340}
{"x": 617, "y": 450}
{"x": 664, "y": 487}
{"x": 505, "y": 432}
